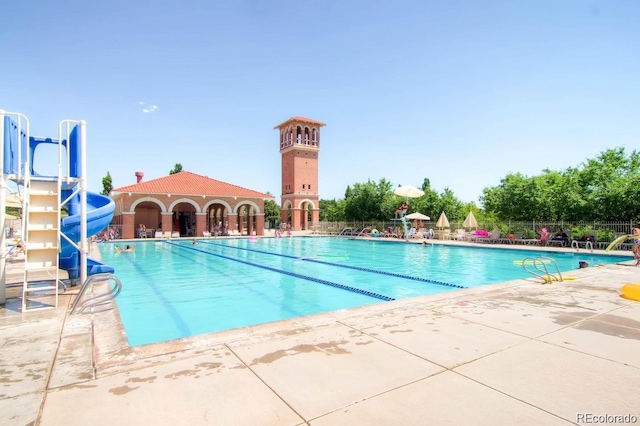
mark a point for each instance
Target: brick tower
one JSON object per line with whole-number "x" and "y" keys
{"x": 299, "y": 146}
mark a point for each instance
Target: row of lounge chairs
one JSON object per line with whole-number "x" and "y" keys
{"x": 493, "y": 237}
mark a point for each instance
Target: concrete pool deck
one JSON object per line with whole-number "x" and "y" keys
{"x": 520, "y": 352}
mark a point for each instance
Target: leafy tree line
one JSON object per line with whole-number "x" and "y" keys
{"x": 606, "y": 188}
{"x": 375, "y": 201}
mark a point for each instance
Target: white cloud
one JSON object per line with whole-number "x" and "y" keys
{"x": 140, "y": 103}
{"x": 151, "y": 109}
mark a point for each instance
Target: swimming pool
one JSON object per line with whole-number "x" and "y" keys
{"x": 174, "y": 289}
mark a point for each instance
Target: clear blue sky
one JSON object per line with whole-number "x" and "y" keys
{"x": 459, "y": 92}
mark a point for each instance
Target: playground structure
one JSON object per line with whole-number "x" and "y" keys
{"x": 51, "y": 242}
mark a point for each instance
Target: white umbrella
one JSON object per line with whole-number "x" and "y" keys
{"x": 442, "y": 221}
{"x": 408, "y": 191}
{"x": 417, "y": 216}
{"x": 470, "y": 221}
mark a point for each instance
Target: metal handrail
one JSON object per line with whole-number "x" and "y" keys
{"x": 541, "y": 270}
{"x": 100, "y": 299}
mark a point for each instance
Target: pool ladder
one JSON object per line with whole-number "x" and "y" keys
{"x": 540, "y": 269}
{"x": 80, "y": 305}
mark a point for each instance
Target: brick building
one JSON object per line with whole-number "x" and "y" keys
{"x": 189, "y": 204}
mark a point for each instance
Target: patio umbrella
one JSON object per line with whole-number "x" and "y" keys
{"x": 408, "y": 191}
{"x": 417, "y": 216}
{"x": 470, "y": 221}
{"x": 442, "y": 221}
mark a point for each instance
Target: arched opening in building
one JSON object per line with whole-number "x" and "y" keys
{"x": 247, "y": 224}
{"x": 306, "y": 217}
{"x": 217, "y": 221}
{"x": 184, "y": 219}
{"x": 147, "y": 216}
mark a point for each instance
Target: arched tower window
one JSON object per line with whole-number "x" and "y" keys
{"x": 298, "y": 135}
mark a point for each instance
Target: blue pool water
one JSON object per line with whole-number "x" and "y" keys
{"x": 176, "y": 289}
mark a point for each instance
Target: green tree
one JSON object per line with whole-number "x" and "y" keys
{"x": 176, "y": 169}
{"x": 605, "y": 189}
{"x": 107, "y": 184}
{"x": 610, "y": 185}
{"x": 452, "y": 206}
{"x": 332, "y": 210}
{"x": 271, "y": 211}
{"x": 369, "y": 201}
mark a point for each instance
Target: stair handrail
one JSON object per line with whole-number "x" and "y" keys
{"x": 99, "y": 299}
{"x": 541, "y": 270}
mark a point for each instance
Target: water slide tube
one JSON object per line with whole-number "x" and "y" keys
{"x": 99, "y": 214}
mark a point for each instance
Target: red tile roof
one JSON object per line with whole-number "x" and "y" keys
{"x": 187, "y": 183}
{"x": 302, "y": 119}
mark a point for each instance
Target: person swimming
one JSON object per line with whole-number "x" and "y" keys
{"x": 126, "y": 249}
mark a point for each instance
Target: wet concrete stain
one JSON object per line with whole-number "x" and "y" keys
{"x": 618, "y": 320}
{"x": 364, "y": 343}
{"x": 293, "y": 331}
{"x": 385, "y": 326}
{"x": 209, "y": 365}
{"x": 329, "y": 348}
{"x": 408, "y": 330}
{"x": 78, "y": 386}
{"x": 150, "y": 379}
{"x": 183, "y": 373}
{"x": 566, "y": 318}
{"x": 610, "y": 329}
{"x": 121, "y": 390}
{"x": 239, "y": 367}
{"x": 536, "y": 301}
{"x": 594, "y": 288}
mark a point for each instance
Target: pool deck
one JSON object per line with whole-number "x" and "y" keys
{"x": 520, "y": 352}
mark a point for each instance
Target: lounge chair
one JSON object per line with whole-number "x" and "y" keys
{"x": 444, "y": 234}
{"x": 493, "y": 237}
{"x": 587, "y": 241}
{"x": 331, "y": 231}
{"x": 459, "y": 235}
{"x": 411, "y": 233}
{"x": 478, "y": 233}
{"x": 346, "y": 232}
{"x": 518, "y": 238}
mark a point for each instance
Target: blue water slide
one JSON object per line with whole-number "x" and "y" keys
{"x": 99, "y": 208}
{"x": 99, "y": 214}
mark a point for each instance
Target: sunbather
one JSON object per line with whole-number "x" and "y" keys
{"x": 562, "y": 237}
{"x": 402, "y": 210}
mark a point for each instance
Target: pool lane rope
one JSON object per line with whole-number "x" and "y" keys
{"x": 293, "y": 274}
{"x": 357, "y": 268}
